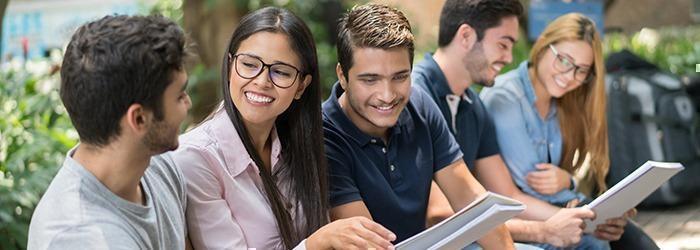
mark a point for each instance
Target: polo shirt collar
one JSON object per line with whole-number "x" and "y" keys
{"x": 437, "y": 77}
{"x": 343, "y": 123}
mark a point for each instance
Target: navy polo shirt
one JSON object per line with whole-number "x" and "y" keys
{"x": 392, "y": 180}
{"x": 470, "y": 123}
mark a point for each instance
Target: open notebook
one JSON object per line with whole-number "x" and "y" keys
{"x": 630, "y": 191}
{"x": 466, "y": 226}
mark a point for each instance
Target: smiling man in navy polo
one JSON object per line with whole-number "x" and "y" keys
{"x": 385, "y": 141}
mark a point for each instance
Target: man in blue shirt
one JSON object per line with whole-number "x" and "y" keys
{"x": 385, "y": 143}
{"x": 475, "y": 42}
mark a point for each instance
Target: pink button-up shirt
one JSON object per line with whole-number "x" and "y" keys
{"x": 227, "y": 207}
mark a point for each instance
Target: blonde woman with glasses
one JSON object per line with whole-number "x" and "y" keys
{"x": 551, "y": 124}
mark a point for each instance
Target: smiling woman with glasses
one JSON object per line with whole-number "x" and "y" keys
{"x": 551, "y": 125}
{"x": 255, "y": 169}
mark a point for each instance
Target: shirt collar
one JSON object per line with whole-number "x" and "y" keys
{"x": 235, "y": 155}
{"x": 526, "y": 85}
{"x": 333, "y": 111}
{"x": 436, "y": 78}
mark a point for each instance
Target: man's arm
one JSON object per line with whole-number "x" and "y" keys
{"x": 544, "y": 222}
{"x": 492, "y": 172}
{"x": 562, "y": 228}
{"x": 438, "y": 206}
{"x": 351, "y": 209}
{"x": 461, "y": 188}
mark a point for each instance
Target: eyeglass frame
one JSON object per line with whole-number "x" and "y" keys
{"x": 560, "y": 57}
{"x": 232, "y": 62}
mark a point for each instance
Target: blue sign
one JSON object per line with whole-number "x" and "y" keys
{"x": 542, "y": 12}
{"x": 31, "y": 28}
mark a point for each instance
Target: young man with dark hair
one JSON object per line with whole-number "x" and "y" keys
{"x": 123, "y": 85}
{"x": 385, "y": 142}
{"x": 475, "y": 41}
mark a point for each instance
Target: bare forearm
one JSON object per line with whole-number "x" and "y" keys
{"x": 536, "y": 209}
{"x": 495, "y": 176}
{"x": 525, "y": 230}
{"x": 498, "y": 238}
{"x": 439, "y": 207}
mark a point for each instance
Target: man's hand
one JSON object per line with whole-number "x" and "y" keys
{"x": 351, "y": 233}
{"x": 548, "y": 179}
{"x": 566, "y": 226}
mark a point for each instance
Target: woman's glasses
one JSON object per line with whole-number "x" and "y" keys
{"x": 281, "y": 74}
{"x": 564, "y": 65}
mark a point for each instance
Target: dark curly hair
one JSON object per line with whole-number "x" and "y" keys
{"x": 115, "y": 62}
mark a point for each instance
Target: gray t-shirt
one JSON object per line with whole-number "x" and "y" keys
{"x": 79, "y": 212}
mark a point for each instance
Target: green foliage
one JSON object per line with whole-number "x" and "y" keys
{"x": 312, "y": 12}
{"x": 676, "y": 50}
{"x": 673, "y": 49}
{"x": 36, "y": 132}
{"x": 521, "y": 52}
{"x": 169, "y": 8}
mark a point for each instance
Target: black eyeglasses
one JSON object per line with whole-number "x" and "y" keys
{"x": 564, "y": 65}
{"x": 281, "y": 74}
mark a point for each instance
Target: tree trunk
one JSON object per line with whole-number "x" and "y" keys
{"x": 210, "y": 23}
{"x": 3, "y": 6}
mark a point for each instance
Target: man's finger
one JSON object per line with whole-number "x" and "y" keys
{"x": 583, "y": 213}
{"x": 378, "y": 229}
{"x": 358, "y": 241}
{"x": 572, "y": 203}
{"x": 374, "y": 239}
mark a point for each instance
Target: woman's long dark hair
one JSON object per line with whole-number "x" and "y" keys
{"x": 299, "y": 127}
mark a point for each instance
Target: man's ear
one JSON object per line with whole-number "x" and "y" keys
{"x": 466, "y": 36}
{"x": 137, "y": 119}
{"x": 341, "y": 76}
{"x": 305, "y": 83}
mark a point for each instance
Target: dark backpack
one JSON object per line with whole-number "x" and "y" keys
{"x": 651, "y": 117}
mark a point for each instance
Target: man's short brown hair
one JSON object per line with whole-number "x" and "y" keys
{"x": 372, "y": 26}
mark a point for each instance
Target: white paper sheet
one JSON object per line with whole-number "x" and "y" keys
{"x": 630, "y": 191}
{"x": 466, "y": 226}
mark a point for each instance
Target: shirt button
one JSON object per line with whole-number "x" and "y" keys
{"x": 384, "y": 150}
{"x": 391, "y": 167}
{"x": 373, "y": 141}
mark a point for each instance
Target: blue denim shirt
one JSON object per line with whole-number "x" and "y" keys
{"x": 524, "y": 137}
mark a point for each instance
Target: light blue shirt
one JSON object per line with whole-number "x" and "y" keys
{"x": 524, "y": 137}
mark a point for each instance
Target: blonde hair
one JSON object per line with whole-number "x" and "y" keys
{"x": 585, "y": 133}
